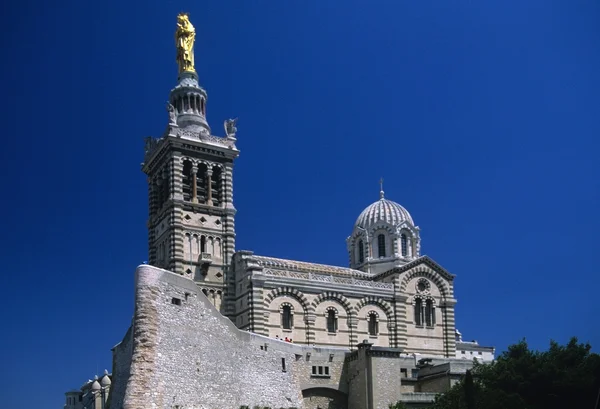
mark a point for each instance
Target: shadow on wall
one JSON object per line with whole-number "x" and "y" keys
{"x": 324, "y": 398}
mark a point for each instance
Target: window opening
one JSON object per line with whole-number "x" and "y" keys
{"x": 381, "y": 245}
{"x": 429, "y": 313}
{"x": 419, "y": 311}
{"x": 332, "y": 324}
{"x": 286, "y": 317}
{"x": 373, "y": 324}
{"x": 361, "y": 251}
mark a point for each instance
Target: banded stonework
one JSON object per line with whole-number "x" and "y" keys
{"x": 219, "y": 328}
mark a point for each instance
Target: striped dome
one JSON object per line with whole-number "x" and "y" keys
{"x": 383, "y": 210}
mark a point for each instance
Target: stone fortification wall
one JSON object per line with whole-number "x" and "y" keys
{"x": 186, "y": 354}
{"x": 120, "y": 370}
{"x": 386, "y": 378}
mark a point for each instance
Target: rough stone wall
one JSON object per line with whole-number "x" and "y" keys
{"x": 357, "y": 378}
{"x": 385, "y": 375}
{"x": 120, "y": 370}
{"x": 435, "y": 385}
{"x": 192, "y": 356}
{"x": 329, "y": 358}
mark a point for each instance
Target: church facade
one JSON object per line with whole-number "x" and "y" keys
{"x": 391, "y": 310}
{"x": 389, "y": 294}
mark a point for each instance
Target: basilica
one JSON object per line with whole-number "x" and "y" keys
{"x": 330, "y": 327}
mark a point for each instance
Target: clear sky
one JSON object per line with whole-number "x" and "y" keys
{"x": 482, "y": 117}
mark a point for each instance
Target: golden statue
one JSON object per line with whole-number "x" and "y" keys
{"x": 184, "y": 41}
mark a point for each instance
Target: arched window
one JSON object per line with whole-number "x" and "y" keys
{"x": 332, "y": 324}
{"x": 201, "y": 178}
{"x": 381, "y": 245}
{"x": 373, "y": 323}
{"x": 162, "y": 183}
{"x": 419, "y": 311}
{"x": 424, "y": 312}
{"x": 187, "y": 181}
{"x": 404, "y": 245}
{"x": 429, "y": 313}
{"x": 217, "y": 186}
{"x": 361, "y": 251}
{"x": 202, "y": 244}
{"x": 287, "y": 318}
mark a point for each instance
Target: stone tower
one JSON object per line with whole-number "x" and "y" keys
{"x": 191, "y": 227}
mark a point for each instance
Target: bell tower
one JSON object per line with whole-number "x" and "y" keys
{"x": 191, "y": 228}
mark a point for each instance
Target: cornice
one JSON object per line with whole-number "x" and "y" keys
{"x": 421, "y": 260}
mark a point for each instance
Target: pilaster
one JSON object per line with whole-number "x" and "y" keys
{"x": 399, "y": 333}
{"x": 176, "y": 176}
{"x": 257, "y": 307}
{"x": 448, "y": 321}
{"x": 150, "y": 223}
{"x": 353, "y": 327}
{"x": 309, "y": 322}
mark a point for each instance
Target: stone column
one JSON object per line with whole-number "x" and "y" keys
{"x": 194, "y": 183}
{"x": 209, "y": 185}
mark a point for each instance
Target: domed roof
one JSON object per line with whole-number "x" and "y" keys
{"x": 383, "y": 210}
{"x": 105, "y": 381}
{"x": 96, "y": 385}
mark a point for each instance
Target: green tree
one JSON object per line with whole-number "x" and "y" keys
{"x": 563, "y": 377}
{"x": 469, "y": 388}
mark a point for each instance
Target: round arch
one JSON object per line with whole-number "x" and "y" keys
{"x": 370, "y": 300}
{"x": 423, "y": 271}
{"x": 340, "y": 298}
{"x": 292, "y": 292}
{"x": 324, "y": 396}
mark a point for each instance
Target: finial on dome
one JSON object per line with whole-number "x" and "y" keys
{"x": 381, "y": 188}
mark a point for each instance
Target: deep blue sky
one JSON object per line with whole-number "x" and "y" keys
{"x": 482, "y": 116}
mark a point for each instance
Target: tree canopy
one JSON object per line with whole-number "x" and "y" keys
{"x": 562, "y": 377}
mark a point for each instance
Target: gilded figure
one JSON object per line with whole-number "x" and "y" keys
{"x": 184, "y": 40}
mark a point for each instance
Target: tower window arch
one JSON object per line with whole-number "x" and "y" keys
{"x": 201, "y": 181}
{"x": 429, "y": 313}
{"x": 404, "y": 245}
{"x": 203, "y": 244}
{"x": 287, "y": 316}
{"x": 332, "y": 320}
{"x": 373, "y": 323}
{"x": 361, "y": 251}
{"x": 187, "y": 181}
{"x": 418, "y": 311}
{"x": 217, "y": 186}
{"x": 424, "y": 311}
{"x": 381, "y": 245}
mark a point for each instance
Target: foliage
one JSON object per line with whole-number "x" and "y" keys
{"x": 397, "y": 405}
{"x": 562, "y": 377}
